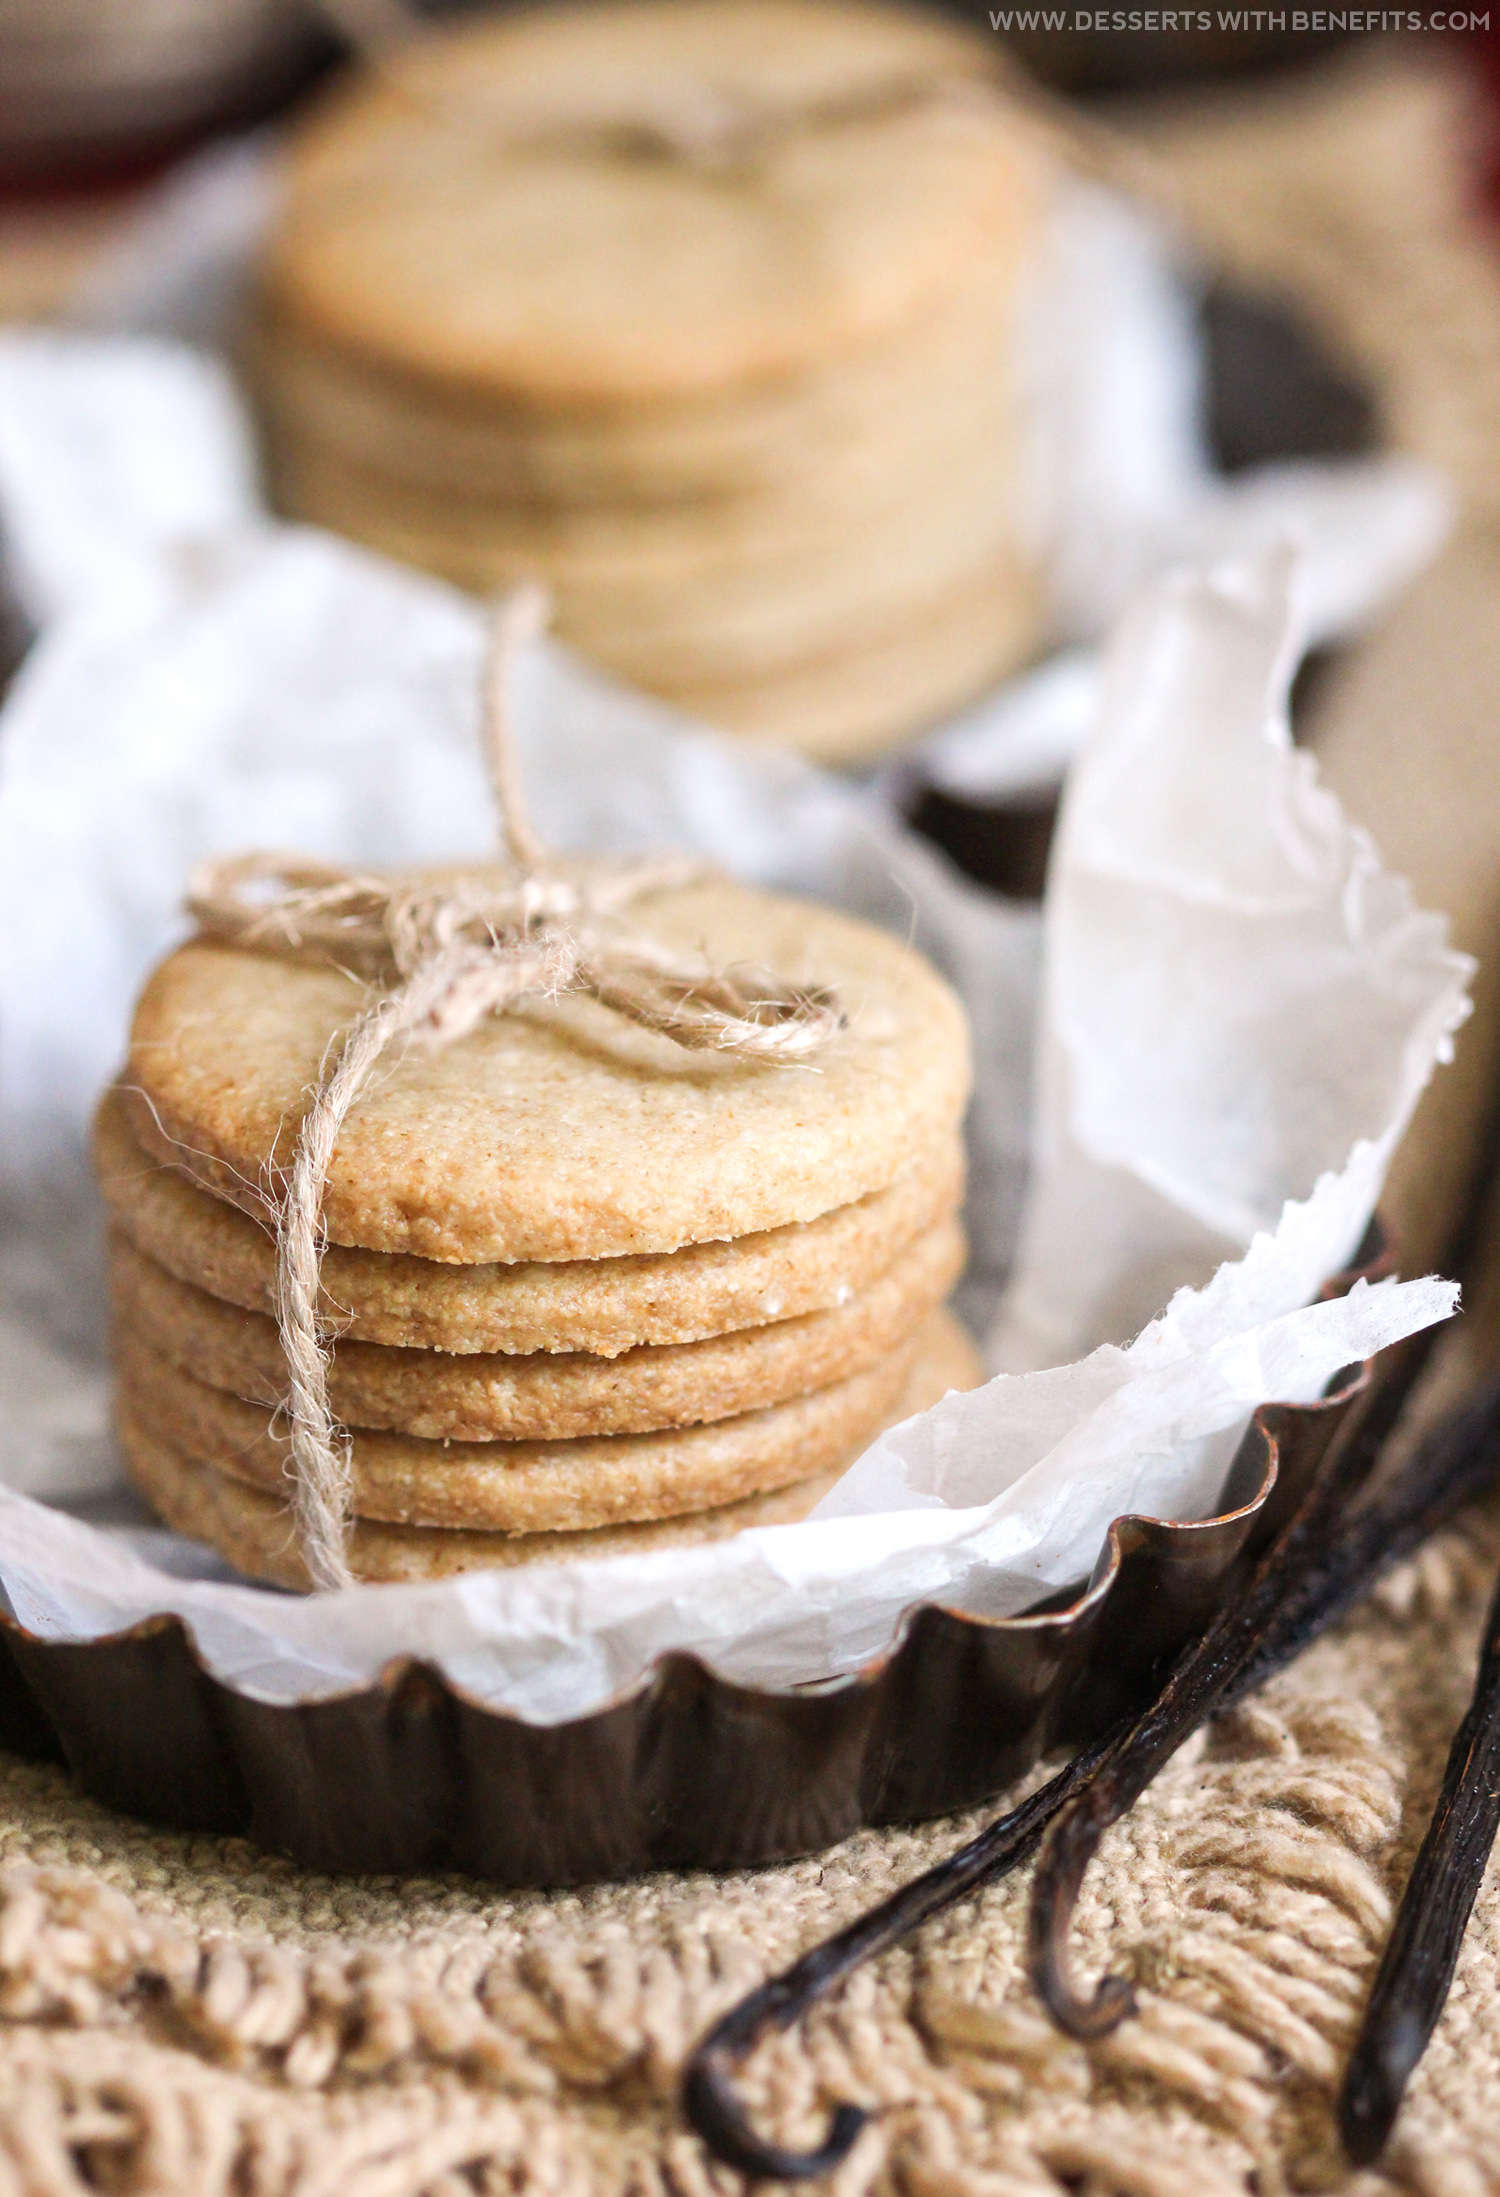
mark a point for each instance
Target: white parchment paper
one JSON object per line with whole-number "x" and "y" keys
{"x": 206, "y": 679}
{"x": 1215, "y": 926}
{"x": 983, "y": 1503}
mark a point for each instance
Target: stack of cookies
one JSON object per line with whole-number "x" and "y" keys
{"x": 708, "y": 314}
{"x": 590, "y": 1292}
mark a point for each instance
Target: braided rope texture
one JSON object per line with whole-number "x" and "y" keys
{"x": 184, "y": 2017}
{"x": 459, "y": 951}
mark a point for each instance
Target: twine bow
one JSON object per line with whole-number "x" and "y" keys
{"x": 443, "y": 957}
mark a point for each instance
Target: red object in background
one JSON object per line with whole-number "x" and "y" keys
{"x": 1485, "y": 46}
{"x": 85, "y": 171}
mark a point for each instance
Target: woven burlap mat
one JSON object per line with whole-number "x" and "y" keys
{"x": 186, "y": 2016}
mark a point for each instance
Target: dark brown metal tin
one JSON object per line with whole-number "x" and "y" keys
{"x": 684, "y": 1770}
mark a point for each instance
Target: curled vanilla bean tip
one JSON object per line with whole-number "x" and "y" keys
{"x": 1113, "y": 2001}
{"x": 1067, "y": 1850}
{"x": 709, "y": 2100}
{"x": 1207, "y": 1676}
{"x": 719, "y": 2119}
{"x": 1459, "y": 1462}
{"x": 707, "y": 2094}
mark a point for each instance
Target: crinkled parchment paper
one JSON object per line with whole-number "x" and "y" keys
{"x": 1239, "y": 1008}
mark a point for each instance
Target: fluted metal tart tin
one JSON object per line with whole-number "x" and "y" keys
{"x": 683, "y": 1770}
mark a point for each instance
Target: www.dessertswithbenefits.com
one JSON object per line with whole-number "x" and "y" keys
{"x": 1239, "y": 19}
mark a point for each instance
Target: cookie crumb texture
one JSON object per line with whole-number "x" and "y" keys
{"x": 543, "y": 1395}
{"x": 602, "y": 1306}
{"x": 563, "y": 1133}
{"x": 211, "y": 1467}
{"x": 588, "y": 1291}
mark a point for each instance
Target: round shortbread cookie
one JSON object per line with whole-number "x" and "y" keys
{"x": 526, "y": 1487}
{"x": 546, "y": 1396}
{"x": 894, "y": 406}
{"x": 723, "y": 601}
{"x": 499, "y": 216}
{"x": 856, "y": 704}
{"x": 602, "y": 1306}
{"x": 850, "y": 705}
{"x": 562, "y": 1132}
{"x": 847, "y": 706}
{"x": 252, "y": 1530}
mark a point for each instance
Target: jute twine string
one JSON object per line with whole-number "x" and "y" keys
{"x": 443, "y": 956}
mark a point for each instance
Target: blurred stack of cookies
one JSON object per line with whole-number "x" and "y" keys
{"x": 707, "y": 313}
{"x": 590, "y": 1293}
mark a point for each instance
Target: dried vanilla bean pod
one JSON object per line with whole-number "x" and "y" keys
{"x": 711, "y": 2106}
{"x": 1412, "y": 1983}
{"x": 1287, "y": 1591}
{"x": 1273, "y": 1612}
{"x": 1458, "y": 1462}
{"x": 1455, "y": 1465}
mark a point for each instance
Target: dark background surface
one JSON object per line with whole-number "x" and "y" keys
{"x": 1091, "y": 65}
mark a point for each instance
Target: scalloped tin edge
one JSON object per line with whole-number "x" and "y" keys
{"x": 684, "y": 1769}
